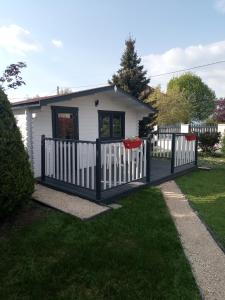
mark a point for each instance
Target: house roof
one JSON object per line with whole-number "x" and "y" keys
{"x": 40, "y": 101}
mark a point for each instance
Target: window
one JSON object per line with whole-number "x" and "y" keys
{"x": 65, "y": 122}
{"x": 111, "y": 125}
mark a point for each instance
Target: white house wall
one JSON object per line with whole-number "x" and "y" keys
{"x": 41, "y": 124}
{"x": 88, "y": 115}
{"x": 21, "y": 123}
{"x": 88, "y": 121}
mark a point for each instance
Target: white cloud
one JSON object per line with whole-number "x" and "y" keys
{"x": 220, "y": 5}
{"x": 15, "y": 39}
{"x": 57, "y": 43}
{"x": 182, "y": 58}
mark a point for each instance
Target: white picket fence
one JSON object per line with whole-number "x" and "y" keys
{"x": 74, "y": 162}
{"x": 71, "y": 162}
{"x": 161, "y": 145}
{"x": 184, "y": 151}
{"x": 121, "y": 165}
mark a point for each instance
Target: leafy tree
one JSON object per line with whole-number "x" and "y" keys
{"x": 172, "y": 107}
{"x": 11, "y": 76}
{"x": 131, "y": 77}
{"x": 16, "y": 180}
{"x": 219, "y": 113}
{"x": 200, "y": 96}
{"x": 65, "y": 91}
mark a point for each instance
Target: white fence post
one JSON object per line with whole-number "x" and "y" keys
{"x": 155, "y": 127}
{"x": 184, "y": 128}
{"x": 221, "y": 129}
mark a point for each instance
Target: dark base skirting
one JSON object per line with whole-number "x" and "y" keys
{"x": 113, "y": 194}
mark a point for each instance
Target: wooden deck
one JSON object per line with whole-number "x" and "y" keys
{"x": 160, "y": 172}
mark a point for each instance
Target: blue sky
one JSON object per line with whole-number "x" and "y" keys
{"x": 79, "y": 43}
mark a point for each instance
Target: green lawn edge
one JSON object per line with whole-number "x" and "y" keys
{"x": 205, "y": 191}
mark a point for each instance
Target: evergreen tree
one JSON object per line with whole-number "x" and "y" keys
{"x": 16, "y": 178}
{"x": 131, "y": 77}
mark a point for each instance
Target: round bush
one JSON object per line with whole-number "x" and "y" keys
{"x": 16, "y": 177}
{"x": 209, "y": 142}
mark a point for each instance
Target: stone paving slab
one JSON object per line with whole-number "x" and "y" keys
{"x": 206, "y": 258}
{"x": 70, "y": 204}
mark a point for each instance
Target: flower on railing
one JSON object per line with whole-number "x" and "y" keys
{"x": 190, "y": 137}
{"x": 132, "y": 143}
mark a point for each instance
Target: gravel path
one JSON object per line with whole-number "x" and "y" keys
{"x": 73, "y": 205}
{"x": 206, "y": 258}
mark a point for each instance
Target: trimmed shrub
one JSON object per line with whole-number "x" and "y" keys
{"x": 209, "y": 142}
{"x": 16, "y": 177}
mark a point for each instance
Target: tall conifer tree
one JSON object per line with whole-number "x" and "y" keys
{"x": 131, "y": 77}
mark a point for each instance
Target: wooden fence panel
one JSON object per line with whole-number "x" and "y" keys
{"x": 161, "y": 145}
{"x": 184, "y": 151}
{"x": 71, "y": 161}
{"x": 121, "y": 165}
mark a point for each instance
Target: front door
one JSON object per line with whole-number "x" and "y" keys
{"x": 65, "y": 122}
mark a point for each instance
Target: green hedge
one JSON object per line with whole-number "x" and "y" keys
{"x": 209, "y": 142}
{"x": 16, "y": 177}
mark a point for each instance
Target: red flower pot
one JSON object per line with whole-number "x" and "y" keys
{"x": 132, "y": 144}
{"x": 190, "y": 137}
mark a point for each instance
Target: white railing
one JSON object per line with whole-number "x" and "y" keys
{"x": 184, "y": 151}
{"x": 71, "y": 161}
{"x": 120, "y": 165}
{"x": 161, "y": 145}
{"x": 74, "y": 162}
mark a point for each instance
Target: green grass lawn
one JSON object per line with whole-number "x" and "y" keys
{"x": 206, "y": 191}
{"x": 130, "y": 253}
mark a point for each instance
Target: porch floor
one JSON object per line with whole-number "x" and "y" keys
{"x": 161, "y": 169}
{"x": 160, "y": 172}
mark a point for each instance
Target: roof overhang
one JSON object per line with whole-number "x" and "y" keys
{"x": 113, "y": 91}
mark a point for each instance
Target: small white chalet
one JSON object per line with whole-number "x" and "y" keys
{"x": 107, "y": 113}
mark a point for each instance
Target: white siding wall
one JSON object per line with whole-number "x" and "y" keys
{"x": 88, "y": 121}
{"x": 42, "y": 124}
{"x": 21, "y": 123}
{"x": 88, "y": 115}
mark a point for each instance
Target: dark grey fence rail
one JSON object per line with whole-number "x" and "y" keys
{"x": 94, "y": 168}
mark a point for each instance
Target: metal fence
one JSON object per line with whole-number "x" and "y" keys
{"x": 203, "y": 128}
{"x": 169, "y": 128}
{"x": 195, "y": 128}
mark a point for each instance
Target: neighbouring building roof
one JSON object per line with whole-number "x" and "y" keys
{"x": 147, "y": 92}
{"x": 40, "y": 101}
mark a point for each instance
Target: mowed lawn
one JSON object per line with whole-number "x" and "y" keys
{"x": 206, "y": 191}
{"x": 130, "y": 253}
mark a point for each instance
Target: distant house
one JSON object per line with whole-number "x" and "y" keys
{"x": 106, "y": 112}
